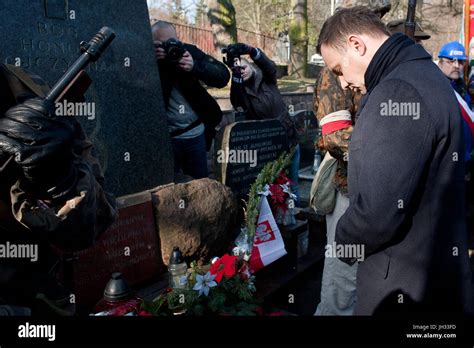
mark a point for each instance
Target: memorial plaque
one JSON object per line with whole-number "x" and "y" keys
{"x": 245, "y": 149}
{"x": 129, "y": 246}
{"x": 128, "y": 126}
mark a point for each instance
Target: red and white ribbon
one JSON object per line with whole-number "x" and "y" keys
{"x": 335, "y": 121}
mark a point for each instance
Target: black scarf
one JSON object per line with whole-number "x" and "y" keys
{"x": 387, "y": 57}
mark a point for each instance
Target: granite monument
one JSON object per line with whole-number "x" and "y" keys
{"x": 128, "y": 122}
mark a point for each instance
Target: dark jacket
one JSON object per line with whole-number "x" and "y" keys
{"x": 207, "y": 70}
{"x": 260, "y": 98}
{"x": 460, "y": 87}
{"x": 23, "y": 220}
{"x": 406, "y": 188}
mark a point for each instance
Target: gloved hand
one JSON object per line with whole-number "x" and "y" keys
{"x": 237, "y": 74}
{"x": 40, "y": 142}
{"x": 239, "y": 49}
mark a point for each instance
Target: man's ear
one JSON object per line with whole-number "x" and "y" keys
{"x": 355, "y": 43}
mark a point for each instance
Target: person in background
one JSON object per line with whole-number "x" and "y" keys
{"x": 192, "y": 113}
{"x": 255, "y": 92}
{"x": 452, "y": 59}
{"x": 335, "y": 106}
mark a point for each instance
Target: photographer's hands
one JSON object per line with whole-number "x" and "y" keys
{"x": 240, "y": 49}
{"x": 187, "y": 62}
{"x": 159, "y": 50}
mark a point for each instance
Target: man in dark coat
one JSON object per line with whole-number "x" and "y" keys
{"x": 405, "y": 173}
{"x": 192, "y": 113}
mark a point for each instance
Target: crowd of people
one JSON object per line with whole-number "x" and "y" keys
{"x": 191, "y": 111}
{"x": 401, "y": 188}
{"x": 406, "y": 198}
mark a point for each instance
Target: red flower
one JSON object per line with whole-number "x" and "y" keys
{"x": 144, "y": 313}
{"x": 278, "y": 196}
{"x": 282, "y": 179}
{"x": 225, "y": 266}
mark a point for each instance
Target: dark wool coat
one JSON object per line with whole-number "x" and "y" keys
{"x": 406, "y": 188}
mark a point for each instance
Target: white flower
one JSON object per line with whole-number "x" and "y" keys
{"x": 204, "y": 283}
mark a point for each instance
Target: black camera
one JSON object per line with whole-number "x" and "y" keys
{"x": 174, "y": 50}
{"x": 232, "y": 54}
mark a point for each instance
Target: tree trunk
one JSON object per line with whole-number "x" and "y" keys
{"x": 201, "y": 14}
{"x": 298, "y": 32}
{"x": 221, "y": 14}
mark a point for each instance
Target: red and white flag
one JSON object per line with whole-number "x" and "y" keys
{"x": 268, "y": 243}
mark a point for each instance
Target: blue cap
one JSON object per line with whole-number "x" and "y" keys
{"x": 452, "y": 50}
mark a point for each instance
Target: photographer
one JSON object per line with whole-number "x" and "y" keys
{"x": 192, "y": 114}
{"x": 255, "y": 91}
